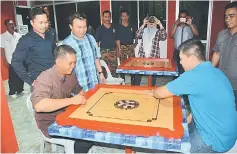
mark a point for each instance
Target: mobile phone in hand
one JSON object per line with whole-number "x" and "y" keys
{"x": 182, "y": 20}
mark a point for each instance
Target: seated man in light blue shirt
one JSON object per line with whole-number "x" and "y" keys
{"x": 88, "y": 69}
{"x": 214, "y": 124}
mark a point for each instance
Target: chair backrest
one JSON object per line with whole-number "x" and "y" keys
{"x": 32, "y": 113}
{"x": 30, "y": 106}
{"x": 103, "y": 64}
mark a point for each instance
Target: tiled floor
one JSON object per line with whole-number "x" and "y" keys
{"x": 26, "y": 131}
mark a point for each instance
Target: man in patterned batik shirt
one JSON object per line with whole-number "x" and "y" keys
{"x": 126, "y": 34}
{"x": 88, "y": 69}
{"x": 106, "y": 38}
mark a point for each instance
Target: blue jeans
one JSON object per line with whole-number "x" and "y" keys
{"x": 197, "y": 144}
{"x": 235, "y": 94}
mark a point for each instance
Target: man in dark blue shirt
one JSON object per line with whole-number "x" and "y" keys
{"x": 34, "y": 52}
{"x": 126, "y": 35}
{"x": 106, "y": 39}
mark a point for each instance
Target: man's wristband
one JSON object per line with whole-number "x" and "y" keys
{"x": 100, "y": 72}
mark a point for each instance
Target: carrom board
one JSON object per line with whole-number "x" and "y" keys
{"x": 127, "y": 110}
{"x": 152, "y": 64}
{"x": 115, "y": 104}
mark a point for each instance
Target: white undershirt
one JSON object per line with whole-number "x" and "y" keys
{"x": 148, "y": 36}
{"x": 9, "y": 42}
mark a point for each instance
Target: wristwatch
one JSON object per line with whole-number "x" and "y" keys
{"x": 100, "y": 72}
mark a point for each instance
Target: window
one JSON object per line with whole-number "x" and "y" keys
{"x": 51, "y": 15}
{"x": 62, "y": 13}
{"x": 43, "y": 3}
{"x": 156, "y": 8}
{"x": 199, "y": 11}
{"x": 92, "y": 11}
{"x": 39, "y": 3}
{"x": 130, "y": 6}
{"x": 24, "y": 12}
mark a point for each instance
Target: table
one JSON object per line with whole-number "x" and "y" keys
{"x": 114, "y": 137}
{"x": 148, "y": 66}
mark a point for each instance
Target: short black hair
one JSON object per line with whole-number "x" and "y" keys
{"x": 193, "y": 47}
{"x": 62, "y": 50}
{"x": 231, "y": 5}
{"x": 7, "y": 21}
{"x": 124, "y": 11}
{"x": 183, "y": 11}
{"x": 36, "y": 11}
{"x": 106, "y": 11}
{"x": 76, "y": 15}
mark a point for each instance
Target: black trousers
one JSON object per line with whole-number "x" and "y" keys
{"x": 14, "y": 82}
{"x": 132, "y": 78}
{"x": 177, "y": 60}
{"x": 82, "y": 146}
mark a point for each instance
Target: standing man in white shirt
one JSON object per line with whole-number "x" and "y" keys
{"x": 9, "y": 40}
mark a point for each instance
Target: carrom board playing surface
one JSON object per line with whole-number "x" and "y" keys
{"x": 121, "y": 105}
{"x": 152, "y": 64}
{"x": 128, "y": 110}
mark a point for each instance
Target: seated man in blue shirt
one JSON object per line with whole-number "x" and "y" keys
{"x": 214, "y": 124}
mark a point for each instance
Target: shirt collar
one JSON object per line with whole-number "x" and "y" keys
{"x": 111, "y": 26}
{"x": 35, "y": 35}
{"x": 229, "y": 32}
{"x": 73, "y": 36}
{"x": 9, "y": 34}
{"x": 204, "y": 63}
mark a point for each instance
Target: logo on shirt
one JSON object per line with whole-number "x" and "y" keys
{"x": 131, "y": 29}
{"x": 113, "y": 30}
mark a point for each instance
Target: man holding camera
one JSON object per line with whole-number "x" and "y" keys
{"x": 183, "y": 29}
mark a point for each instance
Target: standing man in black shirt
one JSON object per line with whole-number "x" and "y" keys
{"x": 34, "y": 52}
{"x": 106, "y": 39}
{"x": 126, "y": 36}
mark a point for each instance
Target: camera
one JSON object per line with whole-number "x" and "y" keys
{"x": 182, "y": 20}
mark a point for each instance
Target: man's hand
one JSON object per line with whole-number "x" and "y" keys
{"x": 78, "y": 99}
{"x": 145, "y": 21}
{"x": 189, "y": 118}
{"x": 177, "y": 22}
{"x": 189, "y": 20}
{"x": 215, "y": 59}
{"x": 118, "y": 52}
{"x": 157, "y": 21}
{"x": 149, "y": 92}
{"x": 102, "y": 78}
